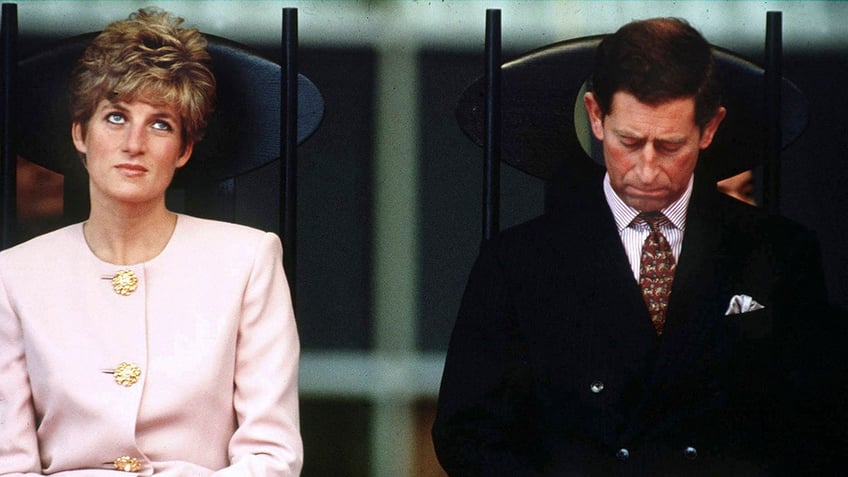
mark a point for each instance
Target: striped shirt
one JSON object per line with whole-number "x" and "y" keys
{"x": 633, "y": 232}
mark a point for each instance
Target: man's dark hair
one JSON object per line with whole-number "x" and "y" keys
{"x": 657, "y": 60}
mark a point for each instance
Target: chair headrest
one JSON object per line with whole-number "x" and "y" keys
{"x": 243, "y": 132}
{"x": 541, "y": 88}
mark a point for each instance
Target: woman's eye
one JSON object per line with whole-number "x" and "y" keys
{"x": 115, "y": 118}
{"x": 162, "y": 126}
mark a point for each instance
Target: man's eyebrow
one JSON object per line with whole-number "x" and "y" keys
{"x": 673, "y": 140}
{"x": 627, "y": 134}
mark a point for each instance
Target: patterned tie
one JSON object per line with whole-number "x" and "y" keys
{"x": 657, "y": 269}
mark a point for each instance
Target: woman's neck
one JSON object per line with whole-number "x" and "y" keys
{"x": 126, "y": 237}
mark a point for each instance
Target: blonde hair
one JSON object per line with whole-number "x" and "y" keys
{"x": 146, "y": 57}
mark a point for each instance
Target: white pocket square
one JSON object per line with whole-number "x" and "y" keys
{"x": 742, "y": 304}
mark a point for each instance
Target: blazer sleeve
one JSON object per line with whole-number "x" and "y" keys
{"x": 483, "y": 399}
{"x": 267, "y": 441}
{"x": 813, "y": 335}
{"x": 18, "y": 441}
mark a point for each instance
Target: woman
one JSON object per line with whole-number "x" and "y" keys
{"x": 141, "y": 340}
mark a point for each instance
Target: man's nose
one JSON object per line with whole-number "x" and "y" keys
{"x": 648, "y": 165}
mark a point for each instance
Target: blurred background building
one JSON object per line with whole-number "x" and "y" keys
{"x": 389, "y": 212}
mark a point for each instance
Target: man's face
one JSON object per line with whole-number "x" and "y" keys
{"x": 650, "y": 150}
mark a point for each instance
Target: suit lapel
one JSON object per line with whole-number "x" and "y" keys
{"x": 695, "y": 306}
{"x": 695, "y": 302}
{"x": 585, "y": 234}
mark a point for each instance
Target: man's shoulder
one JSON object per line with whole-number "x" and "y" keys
{"x": 553, "y": 230}
{"x": 746, "y": 217}
{"x": 747, "y": 229}
{"x": 540, "y": 227}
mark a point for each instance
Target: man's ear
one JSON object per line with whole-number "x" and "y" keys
{"x": 709, "y": 130}
{"x": 596, "y": 116}
{"x": 78, "y": 135}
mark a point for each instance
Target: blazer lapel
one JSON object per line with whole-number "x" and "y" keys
{"x": 695, "y": 306}
{"x": 694, "y": 300}
{"x": 585, "y": 234}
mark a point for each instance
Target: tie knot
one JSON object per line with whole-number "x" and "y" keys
{"x": 654, "y": 219}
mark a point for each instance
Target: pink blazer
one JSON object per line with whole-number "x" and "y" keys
{"x": 209, "y": 333}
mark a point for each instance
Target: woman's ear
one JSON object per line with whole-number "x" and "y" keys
{"x": 186, "y": 154}
{"x": 78, "y": 135}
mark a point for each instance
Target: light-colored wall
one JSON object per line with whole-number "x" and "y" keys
{"x": 456, "y": 23}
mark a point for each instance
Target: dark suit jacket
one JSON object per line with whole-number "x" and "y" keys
{"x": 554, "y": 367}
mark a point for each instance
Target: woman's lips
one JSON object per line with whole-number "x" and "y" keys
{"x": 131, "y": 170}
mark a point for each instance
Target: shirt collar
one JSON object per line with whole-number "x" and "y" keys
{"x": 624, "y": 214}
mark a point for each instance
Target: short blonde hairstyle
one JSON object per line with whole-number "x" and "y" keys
{"x": 148, "y": 57}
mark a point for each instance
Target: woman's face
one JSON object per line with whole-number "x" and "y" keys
{"x": 132, "y": 151}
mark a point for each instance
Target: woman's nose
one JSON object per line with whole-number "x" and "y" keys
{"x": 134, "y": 140}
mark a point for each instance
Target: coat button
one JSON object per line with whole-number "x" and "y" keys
{"x": 690, "y": 453}
{"x": 622, "y": 454}
{"x": 597, "y": 387}
{"x": 127, "y": 374}
{"x": 125, "y": 282}
{"x": 127, "y": 464}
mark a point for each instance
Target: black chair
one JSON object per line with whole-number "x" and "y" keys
{"x": 523, "y": 113}
{"x": 263, "y": 112}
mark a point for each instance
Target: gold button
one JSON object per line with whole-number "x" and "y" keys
{"x": 125, "y": 282}
{"x": 127, "y": 374}
{"x": 127, "y": 464}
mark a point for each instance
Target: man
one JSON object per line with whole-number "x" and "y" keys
{"x": 560, "y": 363}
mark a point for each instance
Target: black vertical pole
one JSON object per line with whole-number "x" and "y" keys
{"x": 8, "y": 154}
{"x": 772, "y": 106}
{"x": 288, "y": 145}
{"x": 492, "y": 126}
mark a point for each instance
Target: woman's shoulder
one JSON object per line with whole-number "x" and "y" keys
{"x": 215, "y": 228}
{"x": 216, "y": 235}
{"x": 46, "y": 245}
